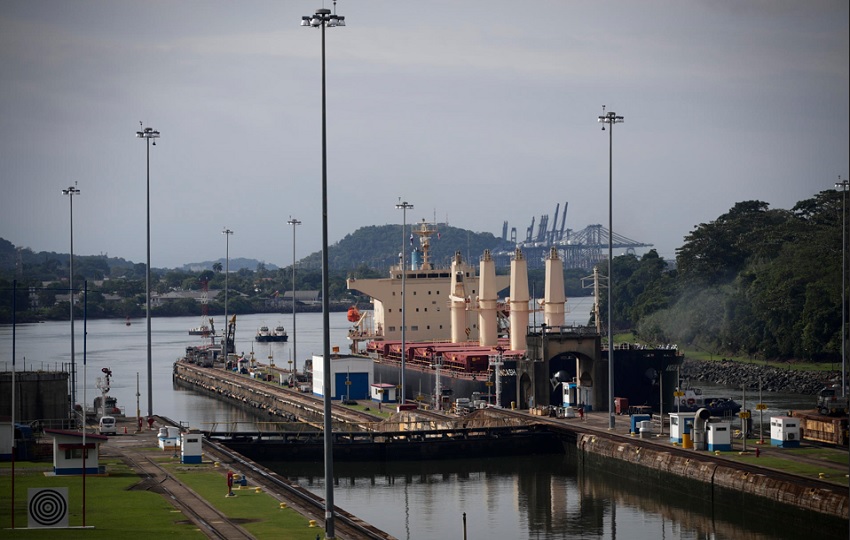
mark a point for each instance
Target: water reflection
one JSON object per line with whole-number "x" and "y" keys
{"x": 547, "y": 497}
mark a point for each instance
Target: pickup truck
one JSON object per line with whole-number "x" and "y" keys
{"x": 830, "y": 402}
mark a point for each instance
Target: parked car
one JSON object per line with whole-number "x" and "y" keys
{"x": 107, "y": 425}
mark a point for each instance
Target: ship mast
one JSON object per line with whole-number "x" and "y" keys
{"x": 425, "y": 233}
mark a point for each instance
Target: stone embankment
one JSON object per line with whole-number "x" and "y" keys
{"x": 736, "y": 374}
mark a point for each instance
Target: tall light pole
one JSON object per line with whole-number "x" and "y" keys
{"x": 147, "y": 134}
{"x": 70, "y": 192}
{"x": 321, "y": 19}
{"x": 610, "y": 118}
{"x": 404, "y": 207}
{"x": 294, "y": 222}
{"x": 842, "y": 184}
{"x": 224, "y": 348}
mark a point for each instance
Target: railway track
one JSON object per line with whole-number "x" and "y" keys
{"x": 347, "y": 526}
{"x": 207, "y": 518}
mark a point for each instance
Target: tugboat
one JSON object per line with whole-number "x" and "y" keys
{"x": 265, "y": 335}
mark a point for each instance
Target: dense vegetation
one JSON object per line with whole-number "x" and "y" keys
{"x": 756, "y": 281}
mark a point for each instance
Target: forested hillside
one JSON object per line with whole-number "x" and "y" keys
{"x": 755, "y": 281}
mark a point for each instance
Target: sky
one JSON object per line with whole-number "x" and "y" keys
{"x": 476, "y": 112}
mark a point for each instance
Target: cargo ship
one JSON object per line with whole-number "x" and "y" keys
{"x": 462, "y": 341}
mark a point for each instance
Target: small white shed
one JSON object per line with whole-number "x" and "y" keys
{"x": 718, "y": 435}
{"x": 681, "y": 427}
{"x": 191, "y": 447}
{"x": 68, "y": 451}
{"x": 383, "y": 392}
{"x": 784, "y": 431}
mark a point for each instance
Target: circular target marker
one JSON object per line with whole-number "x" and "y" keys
{"x": 48, "y": 507}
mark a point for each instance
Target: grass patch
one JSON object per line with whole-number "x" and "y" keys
{"x": 112, "y": 510}
{"x": 809, "y": 470}
{"x": 837, "y": 458}
{"x": 259, "y": 513}
{"x": 796, "y": 365}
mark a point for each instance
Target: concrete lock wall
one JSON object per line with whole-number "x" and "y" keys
{"x": 715, "y": 477}
{"x": 38, "y": 395}
{"x": 203, "y": 380}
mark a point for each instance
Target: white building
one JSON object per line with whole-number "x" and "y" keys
{"x": 350, "y": 376}
{"x": 68, "y": 451}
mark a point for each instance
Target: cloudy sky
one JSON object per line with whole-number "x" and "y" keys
{"x": 477, "y": 112}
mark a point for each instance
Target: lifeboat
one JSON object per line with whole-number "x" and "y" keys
{"x": 353, "y": 314}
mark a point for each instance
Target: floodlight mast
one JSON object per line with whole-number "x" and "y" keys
{"x": 70, "y": 192}
{"x": 610, "y": 118}
{"x": 148, "y": 134}
{"x": 321, "y": 19}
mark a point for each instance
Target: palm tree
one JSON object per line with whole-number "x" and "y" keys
{"x": 217, "y": 267}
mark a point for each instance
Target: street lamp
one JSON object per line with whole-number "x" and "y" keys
{"x": 70, "y": 192}
{"x": 321, "y": 19}
{"x": 226, "y": 232}
{"x": 294, "y": 222}
{"x": 403, "y": 206}
{"x": 610, "y": 118}
{"x": 147, "y": 134}
{"x": 843, "y": 185}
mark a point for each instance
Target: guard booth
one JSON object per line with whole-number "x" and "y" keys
{"x": 68, "y": 451}
{"x": 784, "y": 431}
{"x": 191, "y": 447}
{"x": 681, "y": 428}
{"x": 718, "y": 435}
{"x": 383, "y": 392}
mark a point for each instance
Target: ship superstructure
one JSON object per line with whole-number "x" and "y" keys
{"x": 439, "y": 300}
{"x": 457, "y": 347}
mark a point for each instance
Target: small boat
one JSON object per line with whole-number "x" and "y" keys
{"x": 278, "y": 334}
{"x": 203, "y": 330}
{"x": 693, "y": 400}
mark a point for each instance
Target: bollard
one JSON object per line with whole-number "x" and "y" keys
{"x": 282, "y": 506}
{"x": 258, "y": 490}
{"x": 312, "y": 523}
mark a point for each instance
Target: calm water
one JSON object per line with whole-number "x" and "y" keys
{"x": 123, "y": 349}
{"x": 531, "y": 498}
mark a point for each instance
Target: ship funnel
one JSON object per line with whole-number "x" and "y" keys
{"x": 488, "y": 326}
{"x": 519, "y": 301}
{"x": 458, "y": 301}
{"x": 554, "y": 299}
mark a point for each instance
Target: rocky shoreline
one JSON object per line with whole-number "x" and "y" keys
{"x": 731, "y": 373}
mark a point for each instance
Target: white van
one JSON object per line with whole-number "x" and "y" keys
{"x": 107, "y": 425}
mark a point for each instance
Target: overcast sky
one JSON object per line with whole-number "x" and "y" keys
{"x": 476, "y": 112}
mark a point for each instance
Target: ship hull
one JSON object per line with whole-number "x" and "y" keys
{"x": 268, "y": 339}
{"x": 420, "y": 383}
